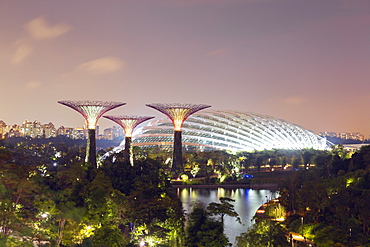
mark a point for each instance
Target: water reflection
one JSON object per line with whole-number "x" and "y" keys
{"x": 247, "y": 201}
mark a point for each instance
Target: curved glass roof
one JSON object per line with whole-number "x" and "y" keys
{"x": 229, "y": 130}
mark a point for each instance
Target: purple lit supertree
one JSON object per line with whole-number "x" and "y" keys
{"x": 91, "y": 110}
{"x": 128, "y": 123}
{"x": 178, "y": 113}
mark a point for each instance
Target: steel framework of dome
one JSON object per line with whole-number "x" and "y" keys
{"x": 229, "y": 130}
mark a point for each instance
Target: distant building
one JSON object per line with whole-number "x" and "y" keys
{"x": 37, "y": 130}
{"x": 357, "y": 136}
{"x": 2, "y": 129}
{"x": 32, "y": 129}
{"x": 345, "y": 135}
{"x": 331, "y": 134}
{"x": 49, "y": 130}
{"x": 79, "y": 133}
{"x": 111, "y": 133}
{"x": 13, "y": 131}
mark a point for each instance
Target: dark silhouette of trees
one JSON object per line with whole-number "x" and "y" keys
{"x": 202, "y": 230}
{"x": 332, "y": 198}
{"x": 222, "y": 209}
{"x": 46, "y": 197}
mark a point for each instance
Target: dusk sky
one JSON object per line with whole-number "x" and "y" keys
{"x": 306, "y": 61}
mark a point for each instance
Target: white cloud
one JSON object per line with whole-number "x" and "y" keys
{"x": 293, "y": 100}
{"x": 33, "y": 84}
{"x": 23, "y": 50}
{"x": 102, "y": 65}
{"x": 39, "y": 29}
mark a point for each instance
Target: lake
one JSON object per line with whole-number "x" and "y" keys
{"x": 247, "y": 201}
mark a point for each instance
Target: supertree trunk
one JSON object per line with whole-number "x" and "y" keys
{"x": 178, "y": 113}
{"x": 91, "y": 110}
{"x": 128, "y": 123}
{"x": 177, "y": 164}
{"x": 91, "y": 153}
{"x": 128, "y": 150}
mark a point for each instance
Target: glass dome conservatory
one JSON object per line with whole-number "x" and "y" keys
{"x": 229, "y": 130}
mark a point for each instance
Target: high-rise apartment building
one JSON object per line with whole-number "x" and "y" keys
{"x": 49, "y": 130}
{"x": 32, "y": 129}
{"x": 344, "y": 135}
{"x": 37, "y": 130}
{"x": 2, "y": 129}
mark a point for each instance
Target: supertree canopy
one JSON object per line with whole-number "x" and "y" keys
{"x": 178, "y": 113}
{"x": 91, "y": 110}
{"x": 128, "y": 123}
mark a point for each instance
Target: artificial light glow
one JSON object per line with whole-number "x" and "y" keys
{"x": 178, "y": 113}
{"x": 128, "y": 123}
{"x": 44, "y": 215}
{"x": 349, "y": 181}
{"x": 231, "y": 130}
{"x": 177, "y": 116}
{"x": 92, "y": 113}
{"x": 91, "y": 110}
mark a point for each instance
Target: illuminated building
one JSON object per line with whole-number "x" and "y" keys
{"x": 230, "y": 130}
{"x": 128, "y": 124}
{"x": 48, "y": 130}
{"x": 178, "y": 113}
{"x": 2, "y": 129}
{"x": 13, "y": 131}
{"x": 91, "y": 110}
{"x": 112, "y": 133}
{"x": 32, "y": 129}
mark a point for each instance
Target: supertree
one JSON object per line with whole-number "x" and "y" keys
{"x": 128, "y": 123}
{"x": 91, "y": 110}
{"x": 178, "y": 113}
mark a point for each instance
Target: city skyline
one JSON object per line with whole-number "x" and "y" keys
{"x": 305, "y": 62}
{"x": 110, "y": 132}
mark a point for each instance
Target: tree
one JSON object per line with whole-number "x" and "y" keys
{"x": 18, "y": 190}
{"x": 222, "y": 209}
{"x": 202, "y": 230}
{"x": 151, "y": 204}
{"x": 261, "y": 234}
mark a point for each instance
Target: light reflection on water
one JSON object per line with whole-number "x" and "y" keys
{"x": 247, "y": 201}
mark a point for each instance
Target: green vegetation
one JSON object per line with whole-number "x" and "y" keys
{"x": 329, "y": 204}
{"x": 47, "y": 198}
{"x": 50, "y": 197}
{"x": 203, "y": 230}
{"x": 263, "y": 233}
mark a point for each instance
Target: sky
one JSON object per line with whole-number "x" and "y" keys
{"x": 307, "y": 62}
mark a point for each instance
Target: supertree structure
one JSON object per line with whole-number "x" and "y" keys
{"x": 91, "y": 110}
{"x": 178, "y": 113}
{"x": 128, "y": 123}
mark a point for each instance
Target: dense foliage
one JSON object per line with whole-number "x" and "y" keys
{"x": 329, "y": 203}
{"x": 204, "y": 230}
{"x": 47, "y": 198}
